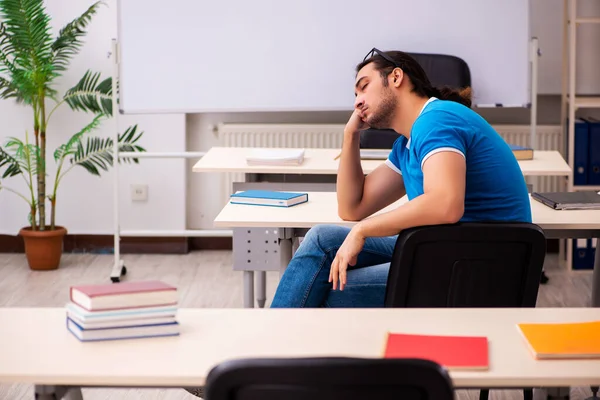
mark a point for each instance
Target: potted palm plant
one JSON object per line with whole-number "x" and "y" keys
{"x": 31, "y": 61}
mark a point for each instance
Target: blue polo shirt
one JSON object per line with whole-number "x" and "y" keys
{"x": 495, "y": 186}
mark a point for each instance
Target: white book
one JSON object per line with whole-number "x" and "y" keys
{"x": 275, "y": 157}
{"x": 374, "y": 154}
{"x": 85, "y": 316}
{"x": 122, "y": 322}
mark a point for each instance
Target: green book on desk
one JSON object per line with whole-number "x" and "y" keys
{"x": 569, "y": 200}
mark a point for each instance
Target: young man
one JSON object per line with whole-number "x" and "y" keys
{"x": 450, "y": 162}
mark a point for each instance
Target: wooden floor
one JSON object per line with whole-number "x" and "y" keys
{"x": 205, "y": 279}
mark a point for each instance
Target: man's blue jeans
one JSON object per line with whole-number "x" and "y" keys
{"x": 305, "y": 282}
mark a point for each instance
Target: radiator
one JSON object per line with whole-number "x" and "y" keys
{"x": 549, "y": 137}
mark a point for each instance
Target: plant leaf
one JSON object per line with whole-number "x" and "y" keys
{"x": 127, "y": 143}
{"x": 70, "y": 147}
{"x": 69, "y": 40}
{"x": 89, "y": 95}
{"x": 20, "y": 81}
{"x": 26, "y": 155}
{"x": 27, "y": 36}
{"x": 8, "y": 90}
{"x": 97, "y": 153}
{"x": 25, "y": 48}
{"x": 12, "y": 165}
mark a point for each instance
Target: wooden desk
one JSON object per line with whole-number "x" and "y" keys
{"x": 321, "y": 208}
{"x": 322, "y": 161}
{"x": 36, "y": 348}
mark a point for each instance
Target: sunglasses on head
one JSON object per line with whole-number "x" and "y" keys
{"x": 383, "y": 55}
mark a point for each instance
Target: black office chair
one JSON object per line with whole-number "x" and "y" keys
{"x": 444, "y": 69}
{"x": 471, "y": 264}
{"x": 328, "y": 379}
{"x": 378, "y": 138}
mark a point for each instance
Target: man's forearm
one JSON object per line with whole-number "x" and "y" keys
{"x": 350, "y": 178}
{"x": 423, "y": 210}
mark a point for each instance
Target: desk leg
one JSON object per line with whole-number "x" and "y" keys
{"x": 49, "y": 392}
{"x": 261, "y": 288}
{"x": 285, "y": 251}
{"x": 73, "y": 393}
{"x": 596, "y": 277}
{"x": 258, "y": 250}
{"x": 248, "y": 289}
{"x": 558, "y": 393}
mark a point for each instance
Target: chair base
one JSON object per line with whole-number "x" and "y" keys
{"x": 196, "y": 391}
{"x": 594, "y": 394}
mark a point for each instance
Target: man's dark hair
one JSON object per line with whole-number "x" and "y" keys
{"x": 421, "y": 84}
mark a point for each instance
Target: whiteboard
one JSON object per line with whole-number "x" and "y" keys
{"x": 188, "y": 56}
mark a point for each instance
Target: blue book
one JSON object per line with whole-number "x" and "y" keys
{"x": 123, "y": 332}
{"x": 269, "y": 198}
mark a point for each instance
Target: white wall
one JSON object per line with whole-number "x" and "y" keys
{"x": 547, "y": 25}
{"x": 84, "y": 200}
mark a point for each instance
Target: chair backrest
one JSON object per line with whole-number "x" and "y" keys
{"x": 378, "y": 138}
{"x": 442, "y": 70}
{"x": 471, "y": 264}
{"x": 328, "y": 379}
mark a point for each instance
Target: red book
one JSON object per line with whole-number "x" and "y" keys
{"x": 451, "y": 352}
{"x": 114, "y": 296}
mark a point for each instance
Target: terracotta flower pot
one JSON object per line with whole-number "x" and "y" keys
{"x": 43, "y": 248}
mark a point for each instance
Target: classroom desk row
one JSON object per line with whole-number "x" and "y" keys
{"x": 316, "y": 174}
{"x": 36, "y": 348}
{"x": 321, "y": 208}
{"x": 324, "y": 162}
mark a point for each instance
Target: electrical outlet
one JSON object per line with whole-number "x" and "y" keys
{"x": 139, "y": 192}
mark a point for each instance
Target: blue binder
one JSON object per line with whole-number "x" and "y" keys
{"x": 581, "y": 167}
{"x": 584, "y": 251}
{"x": 581, "y": 254}
{"x": 594, "y": 152}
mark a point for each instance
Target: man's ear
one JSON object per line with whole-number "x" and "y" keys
{"x": 397, "y": 77}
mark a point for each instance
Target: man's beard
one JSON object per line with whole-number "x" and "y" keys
{"x": 382, "y": 117}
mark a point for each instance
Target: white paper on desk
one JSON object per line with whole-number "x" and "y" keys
{"x": 276, "y": 157}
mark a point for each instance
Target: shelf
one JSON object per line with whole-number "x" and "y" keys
{"x": 587, "y": 20}
{"x": 586, "y": 187}
{"x": 586, "y": 101}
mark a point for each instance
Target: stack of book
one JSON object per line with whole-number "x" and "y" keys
{"x": 125, "y": 310}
